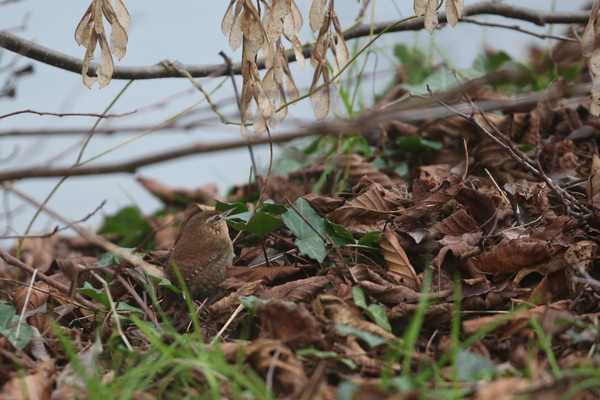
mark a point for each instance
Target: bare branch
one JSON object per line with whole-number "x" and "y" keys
{"x": 519, "y": 29}
{"x": 56, "y": 228}
{"x": 45, "y": 278}
{"x": 132, "y": 166}
{"x": 507, "y": 145}
{"x": 63, "y": 61}
{"x": 114, "y": 130}
{"x": 364, "y": 124}
{"x": 66, "y": 114}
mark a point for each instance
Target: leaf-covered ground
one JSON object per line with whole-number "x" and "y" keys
{"x": 445, "y": 257}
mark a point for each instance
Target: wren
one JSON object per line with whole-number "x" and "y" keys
{"x": 201, "y": 253}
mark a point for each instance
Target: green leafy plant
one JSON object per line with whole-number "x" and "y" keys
{"x": 312, "y": 231}
{"x": 129, "y": 224}
{"x": 375, "y": 312}
{"x": 264, "y": 220}
{"x": 18, "y": 334}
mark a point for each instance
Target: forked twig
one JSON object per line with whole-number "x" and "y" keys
{"x": 517, "y": 155}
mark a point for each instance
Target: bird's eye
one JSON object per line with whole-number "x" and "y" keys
{"x": 217, "y": 217}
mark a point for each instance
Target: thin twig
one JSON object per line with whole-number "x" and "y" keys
{"x": 26, "y": 303}
{"x": 271, "y": 370}
{"x": 113, "y": 310}
{"x": 85, "y": 233}
{"x": 138, "y": 300}
{"x": 56, "y": 228}
{"x": 133, "y": 166}
{"x": 518, "y": 29}
{"x": 60, "y": 60}
{"x": 306, "y": 221}
{"x": 516, "y": 154}
{"x": 45, "y": 278}
{"x": 229, "y": 321}
{"x": 66, "y": 114}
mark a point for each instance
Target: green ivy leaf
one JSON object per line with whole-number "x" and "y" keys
{"x": 416, "y": 143}
{"x": 371, "y": 340}
{"x": 312, "y": 247}
{"x": 302, "y": 353}
{"x": 109, "y": 258}
{"x": 127, "y": 308}
{"x": 471, "y": 367}
{"x": 8, "y": 327}
{"x": 375, "y": 312}
{"x": 239, "y": 207}
{"x": 359, "y": 297}
{"x": 95, "y": 294}
{"x": 341, "y": 234}
{"x": 370, "y": 238}
{"x": 261, "y": 223}
{"x": 525, "y": 148}
{"x": 309, "y": 237}
{"x": 129, "y": 224}
{"x": 296, "y": 223}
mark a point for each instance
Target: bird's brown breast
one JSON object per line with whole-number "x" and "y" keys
{"x": 202, "y": 254}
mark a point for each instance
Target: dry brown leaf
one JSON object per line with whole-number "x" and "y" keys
{"x": 503, "y": 388}
{"x": 268, "y": 275}
{"x": 358, "y": 168}
{"x": 296, "y": 291}
{"x": 462, "y": 247}
{"x": 510, "y": 256}
{"x": 429, "y": 9}
{"x": 339, "y": 312}
{"x": 373, "y": 204}
{"x": 589, "y": 48}
{"x": 428, "y": 205}
{"x": 323, "y": 204}
{"x": 317, "y": 9}
{"x": 548, "y": 315}
{"x": 579, "y": 260}
{"x": 397, "y": 260}
{"x": 90, "y": 31}
{"x": 593, "y": 188}
{"x": 588, "y": 38}
{"x": 293, "y": 325}
{"x": 436, "y": 315}
{"x": 38, "y": 385}
{"x": 454, "y": 9}
{"x": 285, "y": 371}
{"x": 457, "y": 223}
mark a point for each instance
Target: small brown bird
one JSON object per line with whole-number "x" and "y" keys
{"x": 201, "y": 253}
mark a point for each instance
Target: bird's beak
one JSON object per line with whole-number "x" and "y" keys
{"x": 226, "y": 213}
